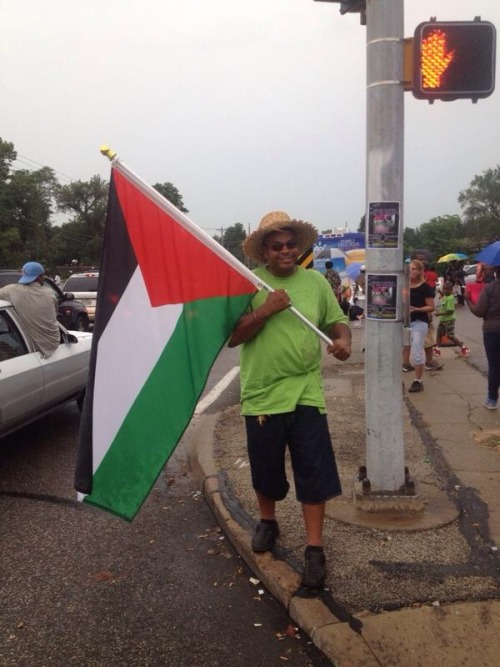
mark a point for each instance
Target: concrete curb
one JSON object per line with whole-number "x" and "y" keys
{"x": 422, "y": 635}
{"x": 335, "y": 638}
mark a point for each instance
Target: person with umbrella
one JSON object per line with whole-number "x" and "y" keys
{"x": 455, "y": 274}
{"x": 488, "y": 307}
{"x": 487, "y": 259}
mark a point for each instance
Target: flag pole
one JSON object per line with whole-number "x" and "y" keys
{"x": 200, "y": 234}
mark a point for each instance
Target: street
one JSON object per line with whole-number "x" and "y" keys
{"x": 82, "y": 587}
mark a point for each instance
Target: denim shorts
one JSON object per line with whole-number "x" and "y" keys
{"x": 305, "y": 432}
{"x": 418, "y": 331}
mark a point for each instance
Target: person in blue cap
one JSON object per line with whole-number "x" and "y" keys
{"x": 36, "y": 307}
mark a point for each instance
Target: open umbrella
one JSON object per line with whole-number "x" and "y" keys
{"x": 490, "y": 255}
{"x": 353, "y": 270}
{"x": 451, "y": 257}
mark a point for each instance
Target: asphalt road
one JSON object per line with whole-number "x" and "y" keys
{"x": 81, "y": 587}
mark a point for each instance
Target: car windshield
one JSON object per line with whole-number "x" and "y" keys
{"x": 81, "y": 284}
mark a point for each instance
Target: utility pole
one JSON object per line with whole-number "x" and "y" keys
{"x": 465, "y": 64}
{"x": 384, "y": 481}
{"x": 384, "y": 261}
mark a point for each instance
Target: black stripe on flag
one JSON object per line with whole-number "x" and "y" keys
{"x": 118, "y": 263}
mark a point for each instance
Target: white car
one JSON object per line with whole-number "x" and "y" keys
{"x": 84, "y": 288}
{"x": 470, "y": 273}
{"x": 31, "y": 386}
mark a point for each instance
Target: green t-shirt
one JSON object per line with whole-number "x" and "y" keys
{"x": 281, "y": 365}
{"x": 447, "y": 304}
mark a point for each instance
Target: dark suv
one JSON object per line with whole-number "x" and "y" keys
{"x": 72, "y": 314}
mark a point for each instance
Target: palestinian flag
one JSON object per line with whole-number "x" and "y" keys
{"x": 168, "y": 300}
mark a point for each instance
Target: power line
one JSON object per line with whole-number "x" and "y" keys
{"x": 39, "y": 164}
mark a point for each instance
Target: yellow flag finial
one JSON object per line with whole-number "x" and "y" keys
{"x": 106, "y": 150}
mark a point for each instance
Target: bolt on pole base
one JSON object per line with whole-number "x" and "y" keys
{"x": 405, "y": 499}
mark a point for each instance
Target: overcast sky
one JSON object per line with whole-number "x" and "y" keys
{"x": 246, "y": 106}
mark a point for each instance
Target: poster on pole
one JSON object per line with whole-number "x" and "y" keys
{"x": 381, "y": 297}
{"x": 383, "y": 225}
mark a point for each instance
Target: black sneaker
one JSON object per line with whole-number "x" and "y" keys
{"x": 314, "y": 568}
{"x": 265, "y": 536}
{"x": 416, "y": 386}
{"x": 433, "y": 366}
{"x": 407, "y": 368}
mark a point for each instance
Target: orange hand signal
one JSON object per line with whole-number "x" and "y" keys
{"x": 435, "y": 59}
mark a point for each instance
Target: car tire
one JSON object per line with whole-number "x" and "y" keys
{"x": 81, "y": 323}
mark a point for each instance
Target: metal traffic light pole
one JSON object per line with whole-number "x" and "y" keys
{"x": 384, "y": 482}
{"x": 385, "y": 465}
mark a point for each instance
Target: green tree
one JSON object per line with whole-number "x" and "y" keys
{"x": 87, "y": 202}
{"x": 25, "y": 210}
{"x": 232, "y": 239}
{"x": 11, "y": 246}
{"x": 69, "y": 241}
{"x": 30, "y": 201}
{"x": 7, "y": 157}
{"x": 480, "y": 203}
{"x": 411, "y": 240}
{"x": 170, "y": 192}
{"x": 442, "y": 234}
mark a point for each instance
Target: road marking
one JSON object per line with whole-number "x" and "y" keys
{"x": 214, "y": 393}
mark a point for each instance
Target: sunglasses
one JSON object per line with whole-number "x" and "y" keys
{"x": 277, "y": 245}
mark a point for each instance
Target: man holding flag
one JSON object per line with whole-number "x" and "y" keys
{"x": 281, "y": 386}
{"x": 169, "y": 299}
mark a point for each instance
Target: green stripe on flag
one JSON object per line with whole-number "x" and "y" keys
{"x": 164, "y": 406}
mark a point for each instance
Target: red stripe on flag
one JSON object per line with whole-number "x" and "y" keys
{"x": 176, "y": 266}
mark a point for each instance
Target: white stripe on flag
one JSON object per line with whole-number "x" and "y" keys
{"x": 129, "y": 348}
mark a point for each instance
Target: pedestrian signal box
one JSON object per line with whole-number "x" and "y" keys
{"x": 454, "y": 60}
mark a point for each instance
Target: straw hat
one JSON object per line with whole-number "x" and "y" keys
{"x": 278, "y": 221}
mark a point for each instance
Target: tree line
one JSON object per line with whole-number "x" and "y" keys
{"x": 29, "y": 200}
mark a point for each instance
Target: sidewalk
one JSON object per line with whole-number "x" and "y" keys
{"x": 401, "y": 590}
